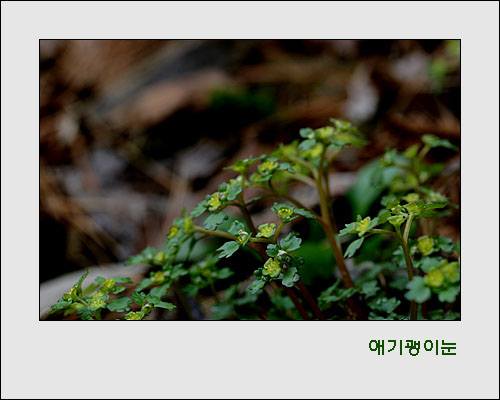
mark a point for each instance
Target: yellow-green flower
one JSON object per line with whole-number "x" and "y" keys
{"x": 134, "y": 316}
{"x": 289, "y": 149}
{"x": 272, "y": 267}
{"x": 159, "y": 278}
{"x": 108, "y": 284}
{"x": 96, "y": 300}
{"x": 325, "y": 132}
{"x": 266, "y": 230}
{"x": 450, "y": 271}
{"x": 267, "y": 166}
{"x": 174, "y": 230}
{"x": 315, "y": 151}
{"x": 411, "y": 197}
{"x": 188, "y": 224}
{"x": 363, "y": 225}
{"x": 425, "y": 245}
{"x": 285, "y": 212}
{"x": 161, "y": 257}
{"x": 214, "y": 203}
{"x": 397, "y": 220}
{"x": 435, "y": 278}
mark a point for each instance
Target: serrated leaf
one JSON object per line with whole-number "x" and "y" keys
{"x": 353, "y": 247}
{"x": 60, "y": 305}
{"x": 349, "y": 229}
{"x": 428, "y": 264}
{"x": 85, "y": 313}
{"x": 306, "y": 132}
{"x": 304, "y": 213}
{"x": 290, "y": 242}
{"x": 145, "y": 283}
{"x": 236, "y": 226}
{"x": 256, "y": 286}
{"x": 120, "y": 304}
{"x": 139, "y": 298}
{"x": 233, "y": 191}
{"x": 370, "y": 288}
{"x": 200, "y": 208}
{"x": 417, "y": 291}
{"x": 117, "y": 289}
{"x": 449, "y": 295}
{"x": 446, "y": 244}
{"x": 307, "y": 144}
{"x": 290, "y": 277}
{"x": 384, "y": 304}
{"x": 160, "y": 291}
{"x": 214, "y": 220}
{"x": 272, "y": 250}
{"x": 228, "y": 249}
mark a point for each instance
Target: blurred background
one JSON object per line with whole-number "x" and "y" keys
{"x": 133, "y": 131}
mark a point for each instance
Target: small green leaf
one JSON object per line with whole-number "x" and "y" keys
{"x": 290, "y": 242}
{"x": 272, "y": 250}
{"x": 78, "y": 285}
{"x": 353, "y": 247}
{"x": 290, "y": 277}
{"x": 306, "y": 133}
{"x": 304, "y": 213}
{"x": 370, "y": 288}
{"x": 384, "y": 304}
{"x": 139, "y": 298}
{"x": 119, "y": 279}
{"x": 427, "y": 264}
{"x": 214, "y": 220}
{"x": 120, "y": 304}
{"x": 236, "y": 226}
{"x": 85, "y": 313}
{"x": 200, "y": 208}
{"x": 60, "y": 305}
{"x": 145, "y": 283}
{"x": 417, "y": 290}
{"x": 228, "y": 249}
{"x": 233, "y": 191}
{"x": 449, "y": 295}
{"x": 117, "y": 289}
{"x": 256, "y": 286}
{"x": 165, "y": 305}
{"x": 348, "y": 230}
{"x": 160, "y": 291}
{"x": 307, "y": 144}
{"x": 446, "y": 244}
{"x": 224, "y": 273}
{"x": 434, "y": 141}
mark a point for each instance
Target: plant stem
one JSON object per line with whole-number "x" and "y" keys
{"x": 409, "y": 264}
{"x": 298, "y": 304}
{"x": 326, "y": 222}
{"x": 310, "y": 300}
{"x": 183, "y": 300}
{"x": 246, "y": 215}
{"x": 327, "y": 225}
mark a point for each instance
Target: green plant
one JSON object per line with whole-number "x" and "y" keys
{"x": 276, "y": 290}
